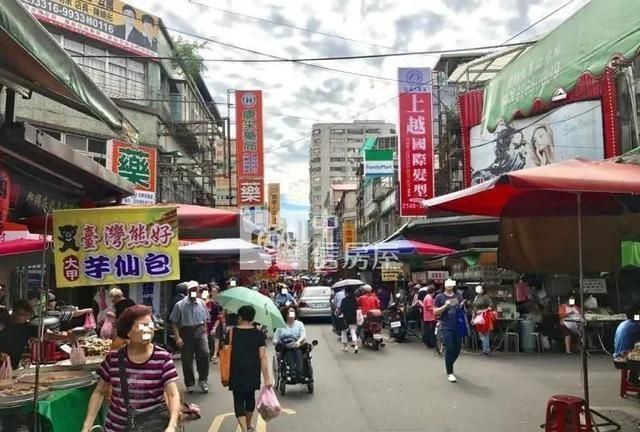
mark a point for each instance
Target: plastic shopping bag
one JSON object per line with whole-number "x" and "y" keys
{"x": 268, "y": 405}
{"x": 359, "y": 317}
{"x": 5, "y": 367}
{"x": 478, "y": 320}
{"x": 89, "y": 322}
{"x": 106, "y": 332}
{"x": 77, "y": 356}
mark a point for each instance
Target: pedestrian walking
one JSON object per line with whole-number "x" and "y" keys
{"x": 142, "y": 379}
{"x": 189, "y": 319}
{"x": 248, "y": 359}
{"x": 448, "y": 308}
{"x": 215, "y": 324}
{"x": 349, "y": 310}
{"x": 482, "y": 303}
{"x": 429, "y": 318}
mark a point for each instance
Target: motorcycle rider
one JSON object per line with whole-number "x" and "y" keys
{"x": 291, "y": 341}
{"x": 368, "y": 301}
{"x": 283, "y": 298}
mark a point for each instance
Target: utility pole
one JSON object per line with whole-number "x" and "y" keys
{"x": 229, "y": 91}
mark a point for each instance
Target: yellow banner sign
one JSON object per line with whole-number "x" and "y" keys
{"x": 348, "y": 234}
{"x": 274, "y": 203}
{"x": 391, "y": 272}
{"x": 115, "y": 245}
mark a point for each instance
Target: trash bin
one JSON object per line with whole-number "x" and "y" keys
{"x": 527, "y": 338}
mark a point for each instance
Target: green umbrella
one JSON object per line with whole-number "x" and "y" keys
{"x": 267, "y": 313}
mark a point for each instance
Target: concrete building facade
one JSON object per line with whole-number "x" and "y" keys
{"x": 173, "y": 113}
{"x": 335, "y": 154}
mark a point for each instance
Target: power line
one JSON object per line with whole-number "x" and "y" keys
{"x": 304, "y": 29}
{"x": 529, "y": 27}
{"x": 278, "y": 59}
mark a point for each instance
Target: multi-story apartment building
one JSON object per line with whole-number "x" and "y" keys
{"x": 335, "y": 153}
{"x": 226, "y": 177}
{"x": 173, "y": 111}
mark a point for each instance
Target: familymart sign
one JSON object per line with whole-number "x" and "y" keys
{"x": 378, "y": 163}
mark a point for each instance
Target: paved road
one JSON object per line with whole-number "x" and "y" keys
{"x": 404, "y": 389}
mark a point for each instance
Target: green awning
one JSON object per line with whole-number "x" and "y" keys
{"x": 585, "y": 43}
{"x": 30, "y": 58}
{"x": 369, "y": 144}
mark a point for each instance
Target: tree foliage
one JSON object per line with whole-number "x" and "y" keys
{"x": 186, "y": 56}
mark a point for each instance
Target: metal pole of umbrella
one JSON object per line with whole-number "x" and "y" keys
{"x": 583, "y": 351}
{"x": 608, "y": 423}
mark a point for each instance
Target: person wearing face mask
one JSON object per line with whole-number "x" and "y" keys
{"x": 283, "y": 298}
{"x": 150, "y": 396}
{"x": 290, "y": 340}
{"x": 189, "y": 319}
{"x": 481, "y": 304}
{"x": 447, "y": 306}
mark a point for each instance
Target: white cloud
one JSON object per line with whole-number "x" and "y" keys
{"x": 330, "y": 96}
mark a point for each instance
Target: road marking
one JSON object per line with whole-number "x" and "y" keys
{"x": 261, "y": 425}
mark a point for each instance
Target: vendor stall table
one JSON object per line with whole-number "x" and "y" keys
{"x": 63, "y": 410}
{"x": 595, "y": 325}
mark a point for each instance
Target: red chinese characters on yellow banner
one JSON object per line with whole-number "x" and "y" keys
{"x": 114, "y": 245}
{"x": 416, "y": 140}
{"x": 249, "y": 148}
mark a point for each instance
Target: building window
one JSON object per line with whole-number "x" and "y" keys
{"x": 118, "y": 77}
{"x": 317, "y": 140}
{"x": 337, "y": 131}
{"x": 317, "y": 131}
{"x": 354, "y": 140}
{"x": 316, "y": 179}
{"x": 337, "y": 159}
{"x": 373, "y": 131}
{"x": 355, "y": 131}
{"x": 316, "y": 169}
{"x": 316, "y": 159}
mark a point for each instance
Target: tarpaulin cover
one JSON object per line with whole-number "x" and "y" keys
{"x": 30, "y": 52}
{"x": 584, "y": 43}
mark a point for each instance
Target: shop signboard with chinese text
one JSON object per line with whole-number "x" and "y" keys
{"x": 594, "y": 286}
{"x": 249, "y": 148}
{"x": 391, "y": 271}
{"x": 416, "y": 140}
{"x": 112, "y": 22}
{"x": 115, "y": 245}
{"x": 437, "y": 275}
{"x": 147, "y": 293}
{"x": 348, "y": 235}
{"x": 138, "y": 165}
{"x": 274, "y": 203}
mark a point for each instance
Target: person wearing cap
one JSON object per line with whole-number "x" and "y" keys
{"x": 189, "y": 319}
{"x": 447, "y": 307}
{"x": 368, "y": 301}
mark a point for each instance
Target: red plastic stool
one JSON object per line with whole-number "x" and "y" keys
{"x": 625, "y": 385}
{"x": 564, "y": 415}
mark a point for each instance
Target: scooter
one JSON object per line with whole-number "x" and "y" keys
{"x": 371, "y": 331}
{"x": 396, "y": 321}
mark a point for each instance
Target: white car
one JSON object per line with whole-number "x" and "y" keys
{"x": 315, "y": 302}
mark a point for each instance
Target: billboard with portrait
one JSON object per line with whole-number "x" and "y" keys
{"x": 110, "y": 21}
{"x": 568, "y": 132}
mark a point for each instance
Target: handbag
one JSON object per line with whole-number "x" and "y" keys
{"x": 225, "y": 360}
{"x": 151, "y": 421}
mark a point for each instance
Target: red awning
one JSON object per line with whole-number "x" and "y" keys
{"x": 21, "y": 246}
{"x": 194, "y": 222}
{"x": 543, "y": 191}
{"x": 281, "y": 266}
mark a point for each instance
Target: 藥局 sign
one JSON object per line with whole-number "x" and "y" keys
{"x": 115, "y": 245}
{"x": 249, "y": 148}
{"x": 112, "y": 22}
{"x": 138, "y": 165}
{"x": 415, "y": 131}
{"x": 378, "y": 163}
{"x": 574, "y": 130}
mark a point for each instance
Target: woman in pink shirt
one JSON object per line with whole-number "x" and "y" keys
{"x": 429, "y": 319}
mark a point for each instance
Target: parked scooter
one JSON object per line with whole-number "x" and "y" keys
{"x": 371, "y": 331}
{"x": 396, "y": 320}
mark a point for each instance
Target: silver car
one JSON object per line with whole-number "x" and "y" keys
{"x": 315, "y": 302}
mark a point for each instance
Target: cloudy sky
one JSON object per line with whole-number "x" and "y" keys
{"x": 296, "y": 95}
